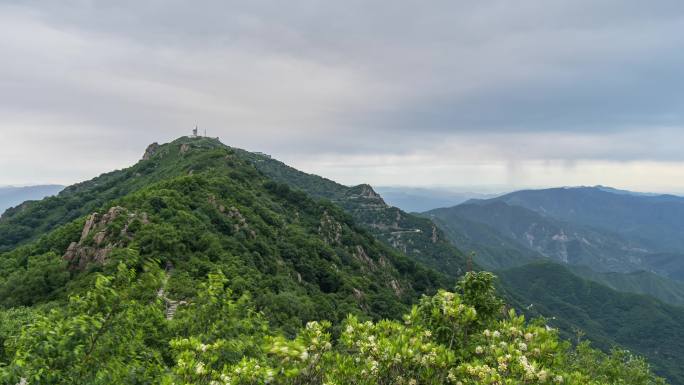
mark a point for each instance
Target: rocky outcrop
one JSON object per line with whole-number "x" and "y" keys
{"x": 184, "y": 148}
{"x": 368, "y": 192}
{"x": 396, "y": 287}
{"x": 241, "y": 222}
{"x": 97, "y": 239}
{"x": 358, "y": 294}
{"x": 330, "y": 229}
{"x": 361, "y": 255}
{"x": 367, "y": 196}
{"x": 150, "y": 151}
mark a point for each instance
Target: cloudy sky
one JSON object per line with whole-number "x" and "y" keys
{"x": 495, "y": 94}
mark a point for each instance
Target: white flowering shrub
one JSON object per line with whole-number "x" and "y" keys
{"x": 387, "y": 352}
{"x": 449, "y": 320}
{"x": 443, "y": 340}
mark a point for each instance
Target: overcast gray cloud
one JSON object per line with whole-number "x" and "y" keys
{"x": 454, "y": 92}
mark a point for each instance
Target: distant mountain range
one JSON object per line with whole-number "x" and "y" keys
{"x": 605, "y": 229}
{"x": 11, "y": 196}
{"x": 413, "y": 199}
{"x": 573, "y": 254}
{"x": 655, "y": 221}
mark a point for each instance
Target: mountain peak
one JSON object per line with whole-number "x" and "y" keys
{"x": 366, "y": 192}
{"x": 150, "y": 151}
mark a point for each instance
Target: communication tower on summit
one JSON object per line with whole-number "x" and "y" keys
{"x": 196, "y": 133}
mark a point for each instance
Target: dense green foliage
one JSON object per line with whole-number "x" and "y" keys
{"x": 116, "y": 333}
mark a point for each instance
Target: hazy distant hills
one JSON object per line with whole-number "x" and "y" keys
{"x": 11, "y": 196}
{"x": 574, "y": 254}
{"x": 555, "y": 225}
{"x": 603, "y": 228}
{"x": 656, "y": 221}
{"x": 424, "y": 199}
{"x": 505, "y": 236}
{"x": 561, "y": 241}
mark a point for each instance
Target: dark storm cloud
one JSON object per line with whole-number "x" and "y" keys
{"x": 563, "y": 80}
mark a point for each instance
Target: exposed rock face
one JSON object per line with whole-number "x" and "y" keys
{"x": 184, "y": 148}
{"x": 150, "y": 151}
{"x": 368, "y": 192}
{"x": 330, "y": 229}
{"x": 80, "y": 256}
{"x": 234, "y": 213}
{"x": 363, "y": 257}
{"x": 97, "y": 247}
{"x": 358, "y": 294}
{"x": 396, "y": 287}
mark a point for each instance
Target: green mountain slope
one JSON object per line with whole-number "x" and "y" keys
{"x": 415, "y": 236}
{"x": 196, "y": 207}
{"x": 493, "y": 250}
{"x": 639, "y": 282}
{"x": 411, "y": 234}
{"x": 642, "y": 324}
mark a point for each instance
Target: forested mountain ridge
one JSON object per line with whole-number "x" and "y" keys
{"x": 195, "y": 205}
{"x": 195, "y": 267}
{"x": 496, "y": 249}
{"x": 412, "y": 234}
